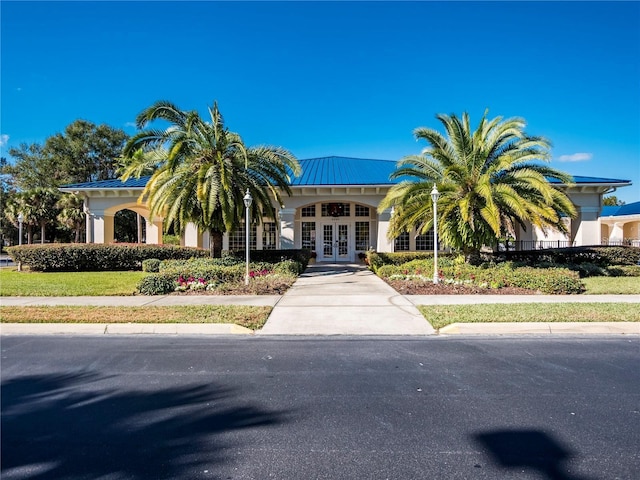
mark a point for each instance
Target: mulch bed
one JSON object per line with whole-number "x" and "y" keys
{"x": 404, "y": 287}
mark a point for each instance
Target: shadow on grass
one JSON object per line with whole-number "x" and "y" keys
{"x": 62, "y": 426}
{"x": 528, "y": 449}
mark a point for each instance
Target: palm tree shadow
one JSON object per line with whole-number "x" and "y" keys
{"x": 533, "y": 449}
{"x": 62, "y": 426}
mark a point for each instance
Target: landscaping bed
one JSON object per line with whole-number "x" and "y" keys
{"x": 405, "y": 287}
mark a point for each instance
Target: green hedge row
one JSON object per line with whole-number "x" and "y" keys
{"x": 548, "y": 280}
{"x": 83, "y": 257}
{"x": 273, "y": 256}
{"x": 603, "y": 256}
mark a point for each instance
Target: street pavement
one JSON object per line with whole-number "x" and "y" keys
{"x": 265, "y": 407}
{"x": 332, "y": 299}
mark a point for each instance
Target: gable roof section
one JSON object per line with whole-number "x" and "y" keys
{"x": 330, "y": 171}
{"x": 344, "y": 171}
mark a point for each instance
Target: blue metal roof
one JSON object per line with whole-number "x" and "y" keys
{"x": 344, "y": 171}
{"x": 326, "y": 171}
{"x": 616, "y": 211}
{"x": 109, "y": 184}
{"x": 591, "y": 180}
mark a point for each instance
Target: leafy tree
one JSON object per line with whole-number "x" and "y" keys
{"x": 33, "y": 168}
{"x": 85, "y": 152}
{"x": 490, "y": 181}
{"x": 202, "y": 173}
{"x": 72, "y": 214}
{"x": 612, "y": 201}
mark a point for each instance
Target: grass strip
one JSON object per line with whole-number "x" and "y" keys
{"x": 65, "y": 284}
{"x": 612, "y": 285}
{"x": 246, "y": 316}
{"x": 442, "y": 315}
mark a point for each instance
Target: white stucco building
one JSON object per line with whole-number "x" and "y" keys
{"x": 333, "y": 210}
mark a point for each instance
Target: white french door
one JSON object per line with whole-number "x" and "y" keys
{"x": 334, "y": 243}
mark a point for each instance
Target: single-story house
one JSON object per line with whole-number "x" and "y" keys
{"x": 333, "y": 210}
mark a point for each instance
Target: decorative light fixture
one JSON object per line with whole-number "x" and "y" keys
{"x": 248, "y": 199}
{"x": 434, "y": 196}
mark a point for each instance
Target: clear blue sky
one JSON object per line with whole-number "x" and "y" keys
{"x": 329, "y": 78}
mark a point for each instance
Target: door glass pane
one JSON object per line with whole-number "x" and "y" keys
{"x": 343, "y": 235}
{"x": 327, "y": 240}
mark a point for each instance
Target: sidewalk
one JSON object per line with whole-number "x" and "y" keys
{"x": 329, "y": 299}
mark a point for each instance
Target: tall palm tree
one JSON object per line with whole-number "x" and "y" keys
{"x": 490, "y": 180}
{"x": 72, "y": 213}
{"x": 201, "y": 171}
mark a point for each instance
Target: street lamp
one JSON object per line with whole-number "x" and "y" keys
{"x": 20, "y": 220}
{"x": 434, "y": 196}
{"x": 247, "y": 203}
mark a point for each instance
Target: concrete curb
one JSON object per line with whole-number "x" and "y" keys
{"x": 543, "y": 328}
{"x": 100, "y": 329}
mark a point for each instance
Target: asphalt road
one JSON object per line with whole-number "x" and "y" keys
{"x": 320, "y": 408}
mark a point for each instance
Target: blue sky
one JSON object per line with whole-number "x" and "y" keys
{"x": 335, "y": 78}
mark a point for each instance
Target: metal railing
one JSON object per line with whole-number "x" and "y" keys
{"x": 521, "y": 245}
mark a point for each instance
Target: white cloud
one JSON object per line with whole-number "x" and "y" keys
{"x": 130, "y": 124}
{"x": 576, "y": 157}
{"x": 4, "y": 139}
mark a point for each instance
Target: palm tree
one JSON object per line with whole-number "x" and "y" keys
{"x": 490, "y": 180}
{"x": 201, "y": 171}
{"x": 71, "y": 213}
{"x": 20, "y": 203}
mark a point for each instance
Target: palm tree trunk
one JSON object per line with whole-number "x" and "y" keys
{"x": 215, "y": 243}
{"x": 42, "y": 232}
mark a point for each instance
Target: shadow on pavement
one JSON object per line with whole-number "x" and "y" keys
{"x": 64, "y": 426}
{"x": 528, "y": 449}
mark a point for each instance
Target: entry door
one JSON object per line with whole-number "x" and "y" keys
{"x": 335, "y": 242}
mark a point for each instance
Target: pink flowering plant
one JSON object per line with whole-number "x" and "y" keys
{"x": 192, "y": 284}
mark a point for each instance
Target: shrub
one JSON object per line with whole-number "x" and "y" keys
{"x": 157, "y": 284}
{"x": 151, "y": 265}
{"x": 602, "y": 256}
{"x": 275, "y": 256}
{"x": 288, "y": 267}
{"x": 549, "y": 280}
{"x": 83, "y": 257}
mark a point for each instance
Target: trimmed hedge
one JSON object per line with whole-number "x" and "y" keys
{"x": 602, "y": 256}
{"x": 301, "y": 256}
{"x": 96, "y": 257}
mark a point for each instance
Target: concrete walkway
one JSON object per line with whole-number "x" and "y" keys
{"x": 343, "y": 299}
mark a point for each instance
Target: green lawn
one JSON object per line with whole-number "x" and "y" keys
{"x": 442, "y": 315}
{"x": 612, "y": 285}
{"x": 63, "y": 284}
{"x": 246, "y": 316}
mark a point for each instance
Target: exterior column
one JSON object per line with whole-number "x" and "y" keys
{"x": 617, "y": 232}
{"x": 102, "y": 227}
{"x": 383, "y": 243}
{"x": 192, "y": 237}
{"x": 287, "y": 222}
{"x": 154, "y": 232}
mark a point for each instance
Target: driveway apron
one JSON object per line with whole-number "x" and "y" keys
{"x": 343, "y": 299}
